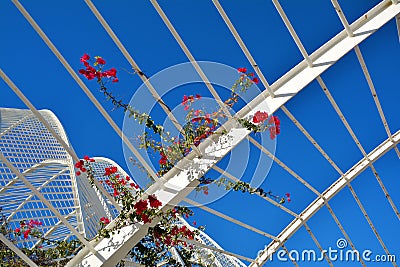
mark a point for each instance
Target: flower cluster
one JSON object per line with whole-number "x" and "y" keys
{"x": 27, "y": 228}
{"x": 90, "y": 72}
{"x": 81, "y": 165}
{"x": 199, "y": 124}
{"x": 251, "y": 74}
{"x": 261, "y": 122}
{"x": 188, "y": 100}
{"x": 273, "y": 123}
{"x": 104, "y": 221}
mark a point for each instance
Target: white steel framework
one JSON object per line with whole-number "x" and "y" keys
{"x": 177, "y": 183}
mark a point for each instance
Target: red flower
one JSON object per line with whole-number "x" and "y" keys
{"x": 110, "y": 73}
{"x": 140, "y": 206}
{"x": 194, "y": 223}
{"x": 289, "y": 199}
{"x": 145, "y": 218}
{"x": 127, "y": 178}
{"x": 78, "y": 164}
{"x": 154, "y": 202}
{"x": 26, "y": 233}
{"x": 104, "y": 220}
{"x": 242, "y": 70}
{"x": 255, "y": 80}
{"x": 163, "y": 160}
{"x": 287, "y": 194}
{"x": 134, "y": 185}
{"x": 17, "y": 230}
{"x": 184, "y": 100}
{"x": 110, "y": 170}
{"x": 78, "y": 173}
{"x": 86, "y": 158}
{"x": 115, "y": 80}
{"x": 272, "y": 132}
{"x": 186, "y": 108}
{"x": 260, "y": 116}
{"x": 115, "y": 193}
{"x": 100, "y": 60}
{"x": 198, "y": 96}
{"x": 85, "y": 57}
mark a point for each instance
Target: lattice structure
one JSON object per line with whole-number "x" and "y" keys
{"x": 175, "y": 186}
{"x": 35, "y": 153}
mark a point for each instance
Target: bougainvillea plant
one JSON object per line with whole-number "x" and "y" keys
{"x": 44, "y": 252}
{"x": 199, "y": 125}
{"x": 166, "y": 230}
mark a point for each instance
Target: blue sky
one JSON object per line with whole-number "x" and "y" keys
{"x": 74, "y": 30}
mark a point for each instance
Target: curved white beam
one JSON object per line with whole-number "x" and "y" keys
{"x": 319, "y": 202}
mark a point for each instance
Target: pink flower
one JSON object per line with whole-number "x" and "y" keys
{"x": 260, "y": 116}
{"x": 100, "y": 60}
{"x": 184, "y": 100}
{"x": 186, "y": 108}
{"x": 85, "y": 57}
{"x": 242, "y": 70}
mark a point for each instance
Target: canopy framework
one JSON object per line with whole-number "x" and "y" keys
{"x": 382, "y": 12}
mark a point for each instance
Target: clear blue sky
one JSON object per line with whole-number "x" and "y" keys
{"x": 74, "y": 30}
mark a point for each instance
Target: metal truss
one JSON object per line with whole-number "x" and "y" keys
{"x": 182, "y": 179}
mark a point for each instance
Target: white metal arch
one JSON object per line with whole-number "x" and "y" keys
{"x": 329, "y": 193}
{"x": 178, "y": 185}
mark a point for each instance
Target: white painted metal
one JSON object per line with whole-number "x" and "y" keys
{"x": 228, "y": 218}
{"x": 273, "y": 202}
{"x": 287, "y": 87}
{"x": 314, "y": 238}
{"x": 342, "y": 17}
{"x": 134, "y": 65}
{"x": 84, "y": 88}
{"x": 374, "y": 93}
{"x": 292, "y": 32}
{"x": 243, "y": 47}
{"x": 60, "y": 139}
{"x": 319, "y": 202}
{"x": 345, "y": 235}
